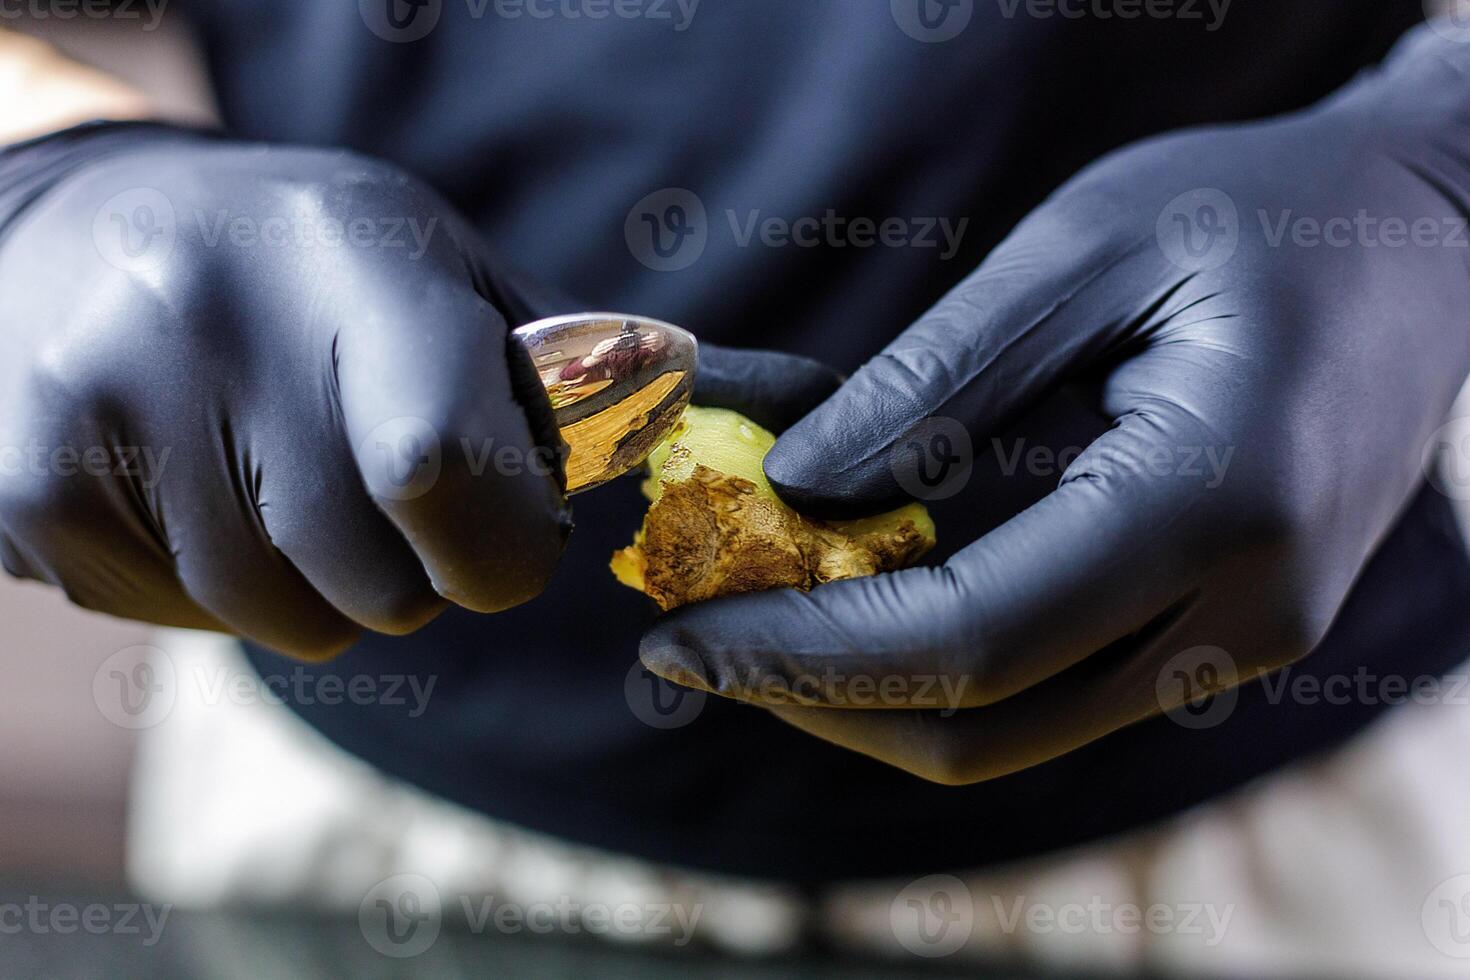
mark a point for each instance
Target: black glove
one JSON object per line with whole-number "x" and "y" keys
{"x": 1178, "y": 278}
{"x": 261, "y": 389}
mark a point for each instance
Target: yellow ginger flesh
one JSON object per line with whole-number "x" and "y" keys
{"x": 716, "y": 527}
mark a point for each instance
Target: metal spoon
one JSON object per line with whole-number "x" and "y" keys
{"x": 617, "y": 385}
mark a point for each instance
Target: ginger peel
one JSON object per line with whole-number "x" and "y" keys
{"x": 716, "y": 526}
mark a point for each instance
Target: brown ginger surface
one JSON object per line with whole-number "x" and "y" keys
{"x": 709, "y": 533}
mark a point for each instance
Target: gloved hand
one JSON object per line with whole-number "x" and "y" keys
{"x": 264, "y": 390}
{"x": 270, "y": 391}
{"x": 1318, "y": 368}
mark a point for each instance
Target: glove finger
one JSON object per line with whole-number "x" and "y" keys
{"x": 437, "y": 401}
{"x": 116, "y": 565}
{"x": 93, "y": 531}
{"x": 1110, "y": 550}
{"x": 206, "y": 509}
{"x": 1093, "y": 699}
{"x": 321, "y": 519}
{"x": 229, "y": 567}
{"x": 770, "y": 388}
{"x": 1043, "y": 305}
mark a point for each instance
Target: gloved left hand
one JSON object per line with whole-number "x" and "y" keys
{"x": 1291, "y": 296}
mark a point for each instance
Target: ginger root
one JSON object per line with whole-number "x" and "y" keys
{"x": 716, "y": 526}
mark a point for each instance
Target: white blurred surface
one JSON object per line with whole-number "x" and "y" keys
{"x": 63, "y": 766}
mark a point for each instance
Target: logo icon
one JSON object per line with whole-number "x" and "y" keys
{"x": 933, "y": 916}
{"x": 401, "y": 916}
{"x": 667, "y": 230}
{"x": 932, "y": 21}
{"x": 1199, "y": 230}
{"x": 401, "y": 458}
{"x": 1196, "y": 688}
{"x": 1446, "y": 459}
{"x": 400, "y": 21}
{"x": 659, "y": 703}
{"x": 933, "y": 460}
{"x": 135, "y": 688}
{"x": 135, "y": 230}
{"x": 1445, "y": 917}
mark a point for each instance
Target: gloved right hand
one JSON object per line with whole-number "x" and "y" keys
{"x": 263, "y": 390}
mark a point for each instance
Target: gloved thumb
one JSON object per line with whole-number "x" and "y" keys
{"x": 1044, "y": 304}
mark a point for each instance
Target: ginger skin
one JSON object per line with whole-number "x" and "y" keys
{"x": 716, "y": 527}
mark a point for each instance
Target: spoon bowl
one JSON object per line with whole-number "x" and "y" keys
{"x": 617, "y": 385}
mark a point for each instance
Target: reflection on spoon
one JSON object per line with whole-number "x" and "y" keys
{"x": 617, "y": 385}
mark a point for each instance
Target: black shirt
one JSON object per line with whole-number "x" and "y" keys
{"x": 548, "y": 130}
